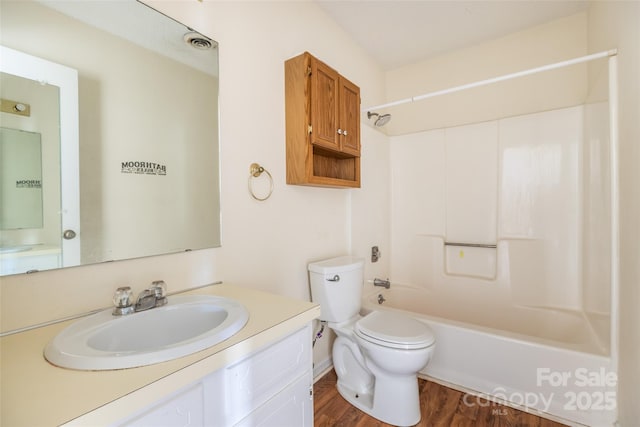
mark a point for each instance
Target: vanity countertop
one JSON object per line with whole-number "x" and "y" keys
{"x": 36, "y": 393}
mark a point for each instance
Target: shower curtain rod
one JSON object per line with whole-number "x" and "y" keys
{"x": 530, "y": 71}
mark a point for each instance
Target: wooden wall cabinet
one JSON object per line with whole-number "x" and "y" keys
{"x": 322, "y": 125}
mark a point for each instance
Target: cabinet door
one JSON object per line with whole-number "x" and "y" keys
{"x": 324, "y": 105}
{"x": 186, "y": 408}
{"x": 292, "y": 407}
{"x": 349, "y": 121}
{"x": 250, "y": 383}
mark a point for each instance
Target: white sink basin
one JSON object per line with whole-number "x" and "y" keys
{"x": 185, "y": 325}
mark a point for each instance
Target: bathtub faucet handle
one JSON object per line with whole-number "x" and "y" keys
{"x": 380, "y": 282}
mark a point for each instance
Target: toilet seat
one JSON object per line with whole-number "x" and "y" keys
{"x": 394, "y": 331}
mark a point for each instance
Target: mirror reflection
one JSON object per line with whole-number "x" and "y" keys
{"x": 20, "y": 179}
{"x": 141, "y": 177}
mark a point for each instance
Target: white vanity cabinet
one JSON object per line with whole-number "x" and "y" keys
{"x": 184, "y": 408}
{"x": 270, "y": 387}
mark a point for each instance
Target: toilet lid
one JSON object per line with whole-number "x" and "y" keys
{"x": 394, "y": 330}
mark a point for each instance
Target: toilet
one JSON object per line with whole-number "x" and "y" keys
{"x": 377, "y": 357}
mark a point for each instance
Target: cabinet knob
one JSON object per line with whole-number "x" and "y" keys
{"x": 339, "y": 131}
{"x": 344, "y": 132}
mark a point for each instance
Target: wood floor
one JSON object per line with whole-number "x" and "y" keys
{"x": 440, "y": 406}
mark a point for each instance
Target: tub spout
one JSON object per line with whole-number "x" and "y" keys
{"x": 380, "y": 282}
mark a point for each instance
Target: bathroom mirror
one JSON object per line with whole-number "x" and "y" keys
{"x": 146, "y": 163}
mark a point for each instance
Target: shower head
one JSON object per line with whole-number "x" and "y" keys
{"x": 381, "y": 120}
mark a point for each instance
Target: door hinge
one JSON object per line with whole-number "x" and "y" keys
{"x": 310, "y": 129}
{"x": 308, "y": 71}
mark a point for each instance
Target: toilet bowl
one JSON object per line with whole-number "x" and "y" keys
{"x": 376, "y": 357}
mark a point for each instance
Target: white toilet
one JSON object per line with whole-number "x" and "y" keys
{"x": 376, "y": 357}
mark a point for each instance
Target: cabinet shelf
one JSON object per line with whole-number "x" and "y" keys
{"x": 322, "y": 125}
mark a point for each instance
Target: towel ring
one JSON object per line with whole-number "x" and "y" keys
{"x": 255, "y": 170}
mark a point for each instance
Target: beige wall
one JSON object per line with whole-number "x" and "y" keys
{"x": 265, "y": 245}
{"x": 544, "y": 44}
{"x": 617, "y": 25}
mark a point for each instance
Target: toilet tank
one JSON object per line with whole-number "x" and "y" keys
{"x": 336, "y": 284}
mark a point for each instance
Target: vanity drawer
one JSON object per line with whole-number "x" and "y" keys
{"x": 253, "y": 381}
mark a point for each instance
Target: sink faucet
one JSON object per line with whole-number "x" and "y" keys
{"x": 153, "y": 296}
{"x": 380, "y": 282}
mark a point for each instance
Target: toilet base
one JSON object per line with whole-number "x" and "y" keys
{"x": 393, "y": 400}
{"x": 362, "y": 401}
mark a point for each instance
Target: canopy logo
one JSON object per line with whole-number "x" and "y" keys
{"x": 144, "y": 168}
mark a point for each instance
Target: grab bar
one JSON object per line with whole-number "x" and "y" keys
{"x": 472, "y": 245}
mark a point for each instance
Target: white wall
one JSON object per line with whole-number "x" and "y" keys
{"x": 371, "y": 205}
{"x": 544, "y": 44}
{"x": 268, "y": 244}
{"x": 617, "y": 25}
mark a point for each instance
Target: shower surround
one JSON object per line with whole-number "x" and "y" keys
{"x": 531, "y": 194}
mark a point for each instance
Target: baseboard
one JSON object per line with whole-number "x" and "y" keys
{"x": 320, "y": 369}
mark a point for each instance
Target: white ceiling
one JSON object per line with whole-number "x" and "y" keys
{"x": 400, "y": 32}
{"x": 142, "y": 25}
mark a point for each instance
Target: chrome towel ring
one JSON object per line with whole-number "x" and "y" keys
{"x": 255, "y": 170}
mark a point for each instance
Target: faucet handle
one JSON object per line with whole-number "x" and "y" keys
{"x": 123, "y": 297}
{"x": 159, "y": 287}
{"x": 123, "y": 301}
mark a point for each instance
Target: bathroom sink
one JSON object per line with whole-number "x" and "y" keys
{"x": 187, "y": 324}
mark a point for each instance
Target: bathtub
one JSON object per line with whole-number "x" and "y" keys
{"x": 540, "y": 360}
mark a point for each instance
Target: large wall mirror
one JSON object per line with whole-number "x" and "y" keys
{"x": 119, "y": 159}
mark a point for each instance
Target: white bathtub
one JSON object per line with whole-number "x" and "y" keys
{"x": 538, "y": 359}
